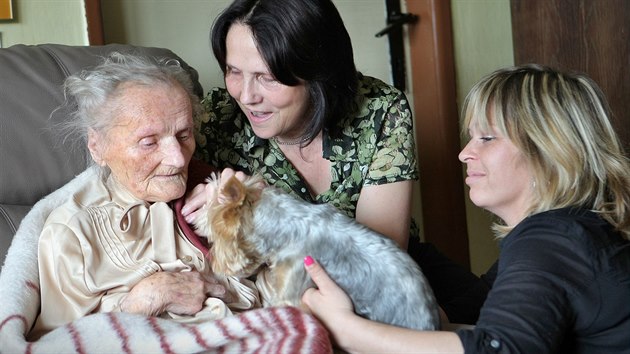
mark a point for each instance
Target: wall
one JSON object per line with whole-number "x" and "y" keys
{"x": 482, "y": 36}
{"x": 45, "y": 21}
{"x": 186, "y": 30}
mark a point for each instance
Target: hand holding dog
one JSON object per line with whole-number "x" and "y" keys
{"x": 328, "y": 302}
{"x": 355, "y": 334}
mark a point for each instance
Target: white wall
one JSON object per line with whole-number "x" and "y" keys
{"x": 45, "y": 21}
{"x": 184, "y": 27}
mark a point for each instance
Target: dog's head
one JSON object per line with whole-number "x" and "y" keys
{"x": 227, "y": 223}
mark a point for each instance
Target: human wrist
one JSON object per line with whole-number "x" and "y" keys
{"x": 127, "y": 305}
{"x": 344, "y": 329}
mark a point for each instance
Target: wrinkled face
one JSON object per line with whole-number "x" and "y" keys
{"x": 150, "y": 143}
{"x": 273, "y": 109}
{"x": 498, "y": 175}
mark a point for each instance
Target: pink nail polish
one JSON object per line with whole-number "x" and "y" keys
{"x": 308, "y": 260}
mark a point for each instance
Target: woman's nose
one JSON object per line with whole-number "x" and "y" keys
{"x": 174, "y": 154}
{"x": 466, "y": 153}
{"x": 249, "y": 92}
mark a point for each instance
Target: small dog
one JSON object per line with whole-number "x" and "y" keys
{"x": 250, "y": 227}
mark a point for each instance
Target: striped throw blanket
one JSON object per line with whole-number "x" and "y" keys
{"x": 268, "y": 330}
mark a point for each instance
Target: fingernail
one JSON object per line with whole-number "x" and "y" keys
{"x": 308, "y": 260}
{"x": 184, "y": 211}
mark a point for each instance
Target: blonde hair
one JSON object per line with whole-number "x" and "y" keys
{"x": 561, "y": 123}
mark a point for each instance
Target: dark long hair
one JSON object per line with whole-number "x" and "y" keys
{"x": 299, "y": 40}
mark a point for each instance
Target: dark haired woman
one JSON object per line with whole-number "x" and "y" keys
{"x": 296, "y": 110}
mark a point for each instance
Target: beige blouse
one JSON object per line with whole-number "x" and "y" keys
{"x": 94, "y": 248}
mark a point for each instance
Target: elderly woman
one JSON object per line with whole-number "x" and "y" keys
{"x": 115, "y": 244}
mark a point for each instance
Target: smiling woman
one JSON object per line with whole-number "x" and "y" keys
{"x": 499, "y": 177}
{"x": 543, "y": 156}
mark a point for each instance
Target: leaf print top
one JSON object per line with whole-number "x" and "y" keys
{"x": 375, "y": 146}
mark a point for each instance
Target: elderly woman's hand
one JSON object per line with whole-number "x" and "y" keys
{"x": 181, "y": 293}
{"x": 197, "y": 197}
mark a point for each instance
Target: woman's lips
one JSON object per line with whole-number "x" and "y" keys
{"x": 473, "y": 176}
{"x": 259, "y": 117}
{"x": 167, "y": 175}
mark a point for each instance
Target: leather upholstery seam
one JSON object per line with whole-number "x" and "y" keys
{"x": 6, "y": 216}
{"x": 57, "y": 60}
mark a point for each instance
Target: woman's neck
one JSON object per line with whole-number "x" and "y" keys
{"x": 310, "y": 164}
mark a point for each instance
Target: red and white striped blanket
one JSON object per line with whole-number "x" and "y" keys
{"x": 268, "y": 330}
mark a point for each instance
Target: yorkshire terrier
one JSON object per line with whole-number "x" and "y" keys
{"x": 250, "y": 227}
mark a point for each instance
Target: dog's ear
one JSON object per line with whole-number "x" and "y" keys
{"x": 233, "y": 192}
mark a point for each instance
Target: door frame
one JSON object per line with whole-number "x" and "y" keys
{"x": 94, "y": 18}
{"x": 437, "y": 129}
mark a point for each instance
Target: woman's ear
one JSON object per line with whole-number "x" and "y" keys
{"x": 95, "y": 145}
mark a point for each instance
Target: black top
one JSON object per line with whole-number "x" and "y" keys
{"x": 459, "y": 292}
{"x": 562, "y": 286}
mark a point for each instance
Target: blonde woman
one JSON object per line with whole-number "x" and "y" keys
{"x": 544, "y": 158}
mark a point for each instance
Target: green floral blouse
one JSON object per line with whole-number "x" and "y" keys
{"x": 376, "y": 145}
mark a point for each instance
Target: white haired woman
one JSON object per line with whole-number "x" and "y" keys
{"x": 115, "y": 245}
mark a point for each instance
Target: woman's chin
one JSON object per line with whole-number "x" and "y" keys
{"x": 477, "y": 199}
{"x": 166, "y": 192}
